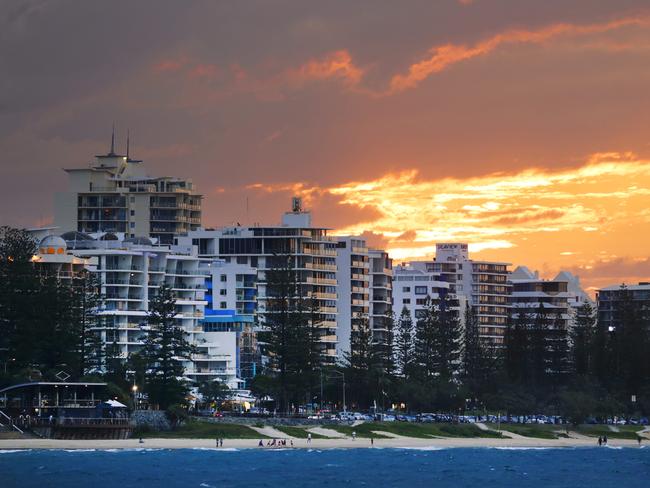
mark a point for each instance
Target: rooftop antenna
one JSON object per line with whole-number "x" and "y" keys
{"x": 128, "y": 143}
{"x": 112, "y": 153}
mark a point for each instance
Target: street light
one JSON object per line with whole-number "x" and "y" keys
{"x": 343, "y": 377}
{"x": 134, "y": 388}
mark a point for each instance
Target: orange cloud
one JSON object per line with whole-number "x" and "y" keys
{"x": 335, "y": 65}
{"x": 449, "y": 54}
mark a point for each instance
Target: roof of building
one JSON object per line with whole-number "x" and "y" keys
{"x": 50, "y": 383}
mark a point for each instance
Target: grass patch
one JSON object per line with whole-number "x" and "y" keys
{"x": 626, "y": 431}
{"x": 298, "y": 432}
{"x": 207, "y": 430}
{"x": 417, "y": 430}
{"x": 530, "y": 430}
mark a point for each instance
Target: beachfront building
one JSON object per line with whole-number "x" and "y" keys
{"x": 130, "y": 270}
{"x": 483, "y": 283}
{"x": 611, "y": 299}
{"x": 532, "y": 295}
{"x": 311, "y": 252}
{"x": 115, "y": 194}
{"x": 353, "y": 289}
{"x": 231, "y": 297}
{"x": 414, "y": 285}
{"x": 381, "y": 295}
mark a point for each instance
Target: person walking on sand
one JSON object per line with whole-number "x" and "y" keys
{"x": 216, "y": 442}
{"x": 261, "y": 443}
{"x": 221, "y": 442}
{"x": 638, "y": 440}
{"x": 600, "y": 441}
{"x": 605, "y": 439}
{"x": 372, "y": 441}
{"x": 354, "y": 435}
{"x": 309, "y": 438}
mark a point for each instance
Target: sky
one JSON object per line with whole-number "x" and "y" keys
{"x": 520, "y": 127}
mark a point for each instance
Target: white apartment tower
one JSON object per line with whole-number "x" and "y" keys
{"x": 532, "y": 294}
{"x": 484, "y": 283}
{"x": 311, "y": 251}
{"x": 381, "y": 294}
{"x": 353, "y": 289}
{"x": 115, "y": 194}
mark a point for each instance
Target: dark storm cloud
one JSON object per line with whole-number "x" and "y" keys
{"x": 284, "y": 92}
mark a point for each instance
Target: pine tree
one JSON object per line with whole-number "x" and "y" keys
{"x": 165, "y": 345}
{"x": 581, "y": 338}
{"x": 424, "y": 344}
{"x": 404, "y": 343}
{"x": 87, "y": 321}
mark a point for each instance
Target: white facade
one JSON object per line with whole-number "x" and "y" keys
{"x": 130, "y": 271}
{"x": 483, "y": 283}
{"x": 353, "y": 289}
{"x": 114, "y": 194}
{"x": 381, "y": 294}
{"x": 414, "y": 285}
{"x": 530, "y": 292}
{"x": 312, "y": 253}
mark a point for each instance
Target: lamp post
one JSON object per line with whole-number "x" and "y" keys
{"x": 134, "y": 388}
{"x": 343, "y": 377}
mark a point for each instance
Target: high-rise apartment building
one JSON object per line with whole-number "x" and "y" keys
{"x": 311, "y": 253}
{"x": 414, "y": 285}
{"x": 611, "y": 298}
{"x": 381, "y": 294}
{"x": 484, "y": 283}
{"x": 532, "y": 295}
{"x": 115, "y": 194}
{"x": 353, "y": 289}
{"x": 130, "y": 270}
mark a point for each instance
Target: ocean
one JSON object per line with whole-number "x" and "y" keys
{"x": 218, "y": 468}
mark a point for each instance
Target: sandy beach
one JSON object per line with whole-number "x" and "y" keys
{"x": 346, "y": 443}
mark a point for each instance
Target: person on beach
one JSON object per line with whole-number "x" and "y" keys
{"x": 354, "y": 435}
{"x": 216, "y": 441}
{"x": 221, "y": 442}
{"x": 309, "y": 438}
{"x": 372, "y": 441}
{"x": 638, "y": 439}
{"x": 261, "y": 443}
{"x": 292, "y": 442}
{"x": 600, "y": 441}
{"x": 605, "y": 439}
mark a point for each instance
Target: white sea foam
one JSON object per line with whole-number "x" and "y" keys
{"x": 205, "y": 485}
{"x": 226, "y": 449}
{"x": 524, "y": 448}
{"x": 422, "y": 448}
{"x": 80, "y": 450}
{"x": 11, "y": 451}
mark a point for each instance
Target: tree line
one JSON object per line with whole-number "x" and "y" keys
{"x": 439, "y": 362}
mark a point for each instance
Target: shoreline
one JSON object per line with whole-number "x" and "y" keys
{"x": 346, "y": 443}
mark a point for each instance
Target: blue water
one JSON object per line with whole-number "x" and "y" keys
{"x": 376, "y": 468}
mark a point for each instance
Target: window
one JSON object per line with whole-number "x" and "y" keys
{"x": 406, "y": 301}
{"x": 223, "y": 278}
{"x": 242, "y": 260}
{"x": 406, "y": 289}
{"x": 132, "y": 225}
{"x": 223, "y": 292}
{"x": 132, "y": 199}
{"x": 223, "y": 305}
{"x": 420, "y": 290}
{"x": 420, "y": 301}
{"x": 132, "y": 213}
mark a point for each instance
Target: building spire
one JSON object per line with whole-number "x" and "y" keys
{"x": 128, "y": 143}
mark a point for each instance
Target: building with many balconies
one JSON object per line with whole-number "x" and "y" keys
{"x": 309, "y": 250}
{"x": 381, "y": 295}
{"x": 115, "y": 194}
